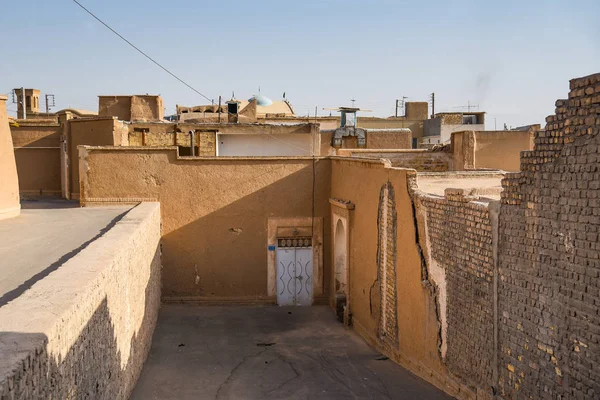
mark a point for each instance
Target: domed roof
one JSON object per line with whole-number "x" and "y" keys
{"x": 261, "y": 100}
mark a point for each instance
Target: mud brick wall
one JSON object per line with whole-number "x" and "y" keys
{"x": 460, "y": 242}
{"x": 549, "y": 257}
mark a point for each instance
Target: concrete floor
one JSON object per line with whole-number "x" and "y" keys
{"x": 45, "y": 236}
{"x": 268, "y": 352}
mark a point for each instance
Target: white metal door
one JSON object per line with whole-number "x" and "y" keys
{"x": 304, "y": 276}
{"x": 286, "y": 276}
{"x": 294, "y": 276}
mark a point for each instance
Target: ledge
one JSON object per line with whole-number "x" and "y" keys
{"x": 346, "y": 204}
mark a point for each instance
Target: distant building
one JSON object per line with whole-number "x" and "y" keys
{"x": 438, "y": 130}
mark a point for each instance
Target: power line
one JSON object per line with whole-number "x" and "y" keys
{"x": 144, "y": 54}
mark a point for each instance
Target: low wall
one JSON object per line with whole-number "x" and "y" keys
{"x": 420, "y": 160}
{"x": 389, "y": 139}
{"x": 85, "y": 330}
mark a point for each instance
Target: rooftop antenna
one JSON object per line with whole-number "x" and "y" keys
{"x": 353, "y": 100}
{"x": 284, "y": 95}
{"x": 469, "y": 106}
{"x": 401, "y": 101}
{"x": 48, "y": 105}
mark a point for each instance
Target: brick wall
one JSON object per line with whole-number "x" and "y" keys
{"x": 459, "y": 237}
{"x": 549, "y": 257}
{"x": 92, "y": 339}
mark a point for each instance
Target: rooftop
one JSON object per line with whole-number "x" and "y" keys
{"x": 45, "y": 236}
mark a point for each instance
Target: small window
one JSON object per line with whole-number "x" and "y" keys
{"x": 232, "y": 108}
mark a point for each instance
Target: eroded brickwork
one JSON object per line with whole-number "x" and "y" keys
{"x": 549, "y": 257}
{"x": 460, "y": 241}
{"x": 386, "y": 258}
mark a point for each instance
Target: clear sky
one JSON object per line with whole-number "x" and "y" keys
{"x": 512, "y": 58}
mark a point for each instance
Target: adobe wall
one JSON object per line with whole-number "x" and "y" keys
{"x": 215, "y": 213}
{"x": 389, "y": 139}
{"x": 416, "y": 126}
{"x": 9, "y": 182}
{"x": 92, "y": 339}
{"x": 131, "y": 108}
{"x": 115, "y": 106}
{"x": 490, "y": 149}
{"x": 501, "y": 149}
{"x": 420, "y": 160}
{"x": 147, "y": 108}
{"x": 93, "y": 132}
{"x": 549, "y": 257}
{"x": 413, "y": 329}
{"x": 37, "y": 154}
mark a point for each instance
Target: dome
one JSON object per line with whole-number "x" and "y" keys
{"x": 261, "y": 100}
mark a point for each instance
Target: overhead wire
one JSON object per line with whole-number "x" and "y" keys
{"x": 140, "y": 51}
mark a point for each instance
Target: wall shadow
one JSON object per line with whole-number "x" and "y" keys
{"x": 224, "y": 253}
{"x": 92, "y": 367}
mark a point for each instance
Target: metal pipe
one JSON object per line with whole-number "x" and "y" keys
{"x": 23, "y": 104}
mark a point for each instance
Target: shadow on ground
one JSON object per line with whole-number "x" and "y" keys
{"x": 268, "y": 352}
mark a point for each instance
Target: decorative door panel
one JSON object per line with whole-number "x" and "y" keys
{"x": 286, "y": 276}
{"x": 294, "y": 272}
{"x": 304, "y": 282}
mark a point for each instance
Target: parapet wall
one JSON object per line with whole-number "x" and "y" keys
{"x": 420, "y": 160}
{"x": 85, "y": 330}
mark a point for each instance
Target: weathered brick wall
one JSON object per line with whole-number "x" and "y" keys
{"x": 549, "y": 257}
{"x": 459, "y": 237}
{"x": 91, "y": 340}
{"x": 387, "y": 222}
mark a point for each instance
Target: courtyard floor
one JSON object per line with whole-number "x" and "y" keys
{"x": 268, "y": 352}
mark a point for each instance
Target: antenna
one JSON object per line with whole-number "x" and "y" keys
{"x": 48, "y": 105}
{"x": 353, "y": 100}
{"x": 469, "y": 106}
{"x": 401, "y": 105}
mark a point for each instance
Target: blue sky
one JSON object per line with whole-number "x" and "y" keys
{"x": 512, "y": 58}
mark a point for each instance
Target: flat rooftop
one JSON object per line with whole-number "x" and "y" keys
{"x": 486, "y": 184}
{"x": 45, "y": 236}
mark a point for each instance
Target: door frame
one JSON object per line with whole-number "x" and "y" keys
{"x": 317, "y": 247}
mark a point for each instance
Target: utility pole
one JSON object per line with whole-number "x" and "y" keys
{"x": 433, "y": 105}
{"x": 219, "y": 109}
{"x": 396, "y": 108}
